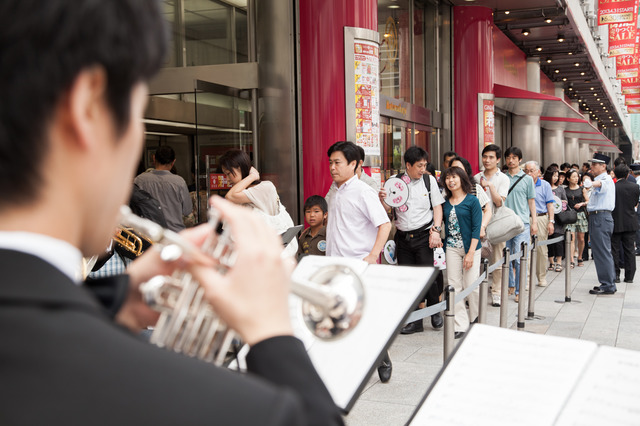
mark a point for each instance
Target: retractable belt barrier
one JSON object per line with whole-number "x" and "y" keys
{"x": 484, "y": 277}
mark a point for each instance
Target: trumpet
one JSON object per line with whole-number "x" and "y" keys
{"x": 132, "y": 243}
{"x": 332, "y": 304}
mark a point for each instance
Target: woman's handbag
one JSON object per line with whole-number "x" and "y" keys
{"x": 567, "y": 217}
{"x": 504, "y": 225}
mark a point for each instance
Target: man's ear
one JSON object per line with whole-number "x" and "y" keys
{"x": 87, "y": 106}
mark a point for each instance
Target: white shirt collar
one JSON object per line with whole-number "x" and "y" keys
{"x": 58, "y": 253}
{"x": 346, "y": 184}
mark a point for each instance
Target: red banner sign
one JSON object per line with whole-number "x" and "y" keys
{"x": 218, "y": 181}
{"x": 633, "y": 110}
{"x": 617, "y": 11}
{"x": 622, "y": 39}
{"x": 630, "y": 86}
{"x": 488, "y": 121}
{"x": 627, "y": 65}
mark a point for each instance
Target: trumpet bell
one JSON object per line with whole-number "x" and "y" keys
{"x": 332, "y": 322}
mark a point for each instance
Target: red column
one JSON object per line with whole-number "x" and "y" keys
{"x": 322, "y": 80}
{"x": 473, "y": 74}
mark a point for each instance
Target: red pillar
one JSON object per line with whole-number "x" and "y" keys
{"x": 322, "y": 80}
{"x": 473, "y": 74}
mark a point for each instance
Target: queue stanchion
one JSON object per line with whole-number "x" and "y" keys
{"x": 567, "y": 270}
{"x": 449, "y": 321}
{"x": 532, "y": 293}
{"x": 504, "y": 289}
{"x": 484, "y": 288}
{"x": 523, "y": 284}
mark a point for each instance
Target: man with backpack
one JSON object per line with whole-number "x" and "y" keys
{"x": 418, "y": 223}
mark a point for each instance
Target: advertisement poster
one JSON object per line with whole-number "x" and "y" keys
{"x": 630, "y": 86}
{"x": 622, "y": 39}
{"x": 627, "y": 65}
{"x": 616, "y": 11}
{"x": 218, "y": 181}
{"x": 633, "y": 99}
{"x": 367, "y": 93}
{"x": 488, "y": 121}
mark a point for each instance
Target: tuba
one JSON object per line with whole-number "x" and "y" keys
{"x": 332, "y": 299}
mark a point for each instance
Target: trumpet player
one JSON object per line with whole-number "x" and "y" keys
{"x": 74, "y": 83}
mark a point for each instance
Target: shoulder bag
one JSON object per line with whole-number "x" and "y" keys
{"x": 505, "y": 223}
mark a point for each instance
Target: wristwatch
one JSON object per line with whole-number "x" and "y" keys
{"x": 436, "y": 228}
{"x": 552, "y": 221}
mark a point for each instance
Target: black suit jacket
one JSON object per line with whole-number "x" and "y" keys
{"x": 624, "y": 215}
{"x": 63, "y": 362}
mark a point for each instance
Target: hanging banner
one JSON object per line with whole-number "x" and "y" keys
{"x": 616, "y": 11}
{"x": 630, "y": 85}
{"x": 622, "y": 39}
{"x": 633, "y": 110}
{"x": 632, "y": 99}
{"x": 488, "y": 120}
{"x": 627, "y": 65}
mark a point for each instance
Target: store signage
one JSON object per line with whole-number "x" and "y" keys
{"x": 633, "y": 110}
{"x": 366, "y": 61}
{"x": 218, "y": 181}
{"x": 488, "y": 121}
{"x": 627, "y": 65}
{"x": 622, "y": 39}
{"x": 617, "y": 11}
{"x": 630, "y": 85}
{"x": 632, "y": 99}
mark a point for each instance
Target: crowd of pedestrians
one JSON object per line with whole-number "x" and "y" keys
{"x": 453, "y": 212}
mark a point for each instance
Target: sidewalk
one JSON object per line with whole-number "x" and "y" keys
{"x": 612, "y": 320}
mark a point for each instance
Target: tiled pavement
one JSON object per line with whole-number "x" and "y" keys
{"x": 612, "y": 320}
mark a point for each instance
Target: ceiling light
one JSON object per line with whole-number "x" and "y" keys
{"x": 539, "y": 48}
{"x": 582, "y": 73}
{"x": 560, "y": 38}
{"x": 595, "y": 94}
{"x": 598, "y": 100}
{"x": 549, "y": 60}
{"x": 570, "y": 88}
{"x": 525, "y": 32}
{"x": 506, "y": 12}
{"x": 601, "y": 102}
{"x": 565, "y": 79}
{"x": 570, "y": 53}
{"x": 548, "y": 20}
{"x": 557, "y": 71}
{"x": 394, "y": 6}
{"x": 577, "y": 64}
{"x": 591, "y": 88}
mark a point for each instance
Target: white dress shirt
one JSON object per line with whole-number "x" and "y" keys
{"x": 419, "y": 205}
{"x": 58, "y": 253}
{"x": 355, "y": 213}
{"x": 500, "y": 182}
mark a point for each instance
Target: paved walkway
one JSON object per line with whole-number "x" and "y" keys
{"x": 612, "y": 320}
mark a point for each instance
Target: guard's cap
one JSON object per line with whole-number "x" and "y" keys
{"x": 600, "y": 158}
{"x": 635, "y": 167}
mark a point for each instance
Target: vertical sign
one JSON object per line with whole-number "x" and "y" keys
{"x": 362, "y": 91}
{"x": 622, "y": 39}
{"x": 616, "y": 11}
{"x": 488, "y": 120}
{"x": 367, "y": 96}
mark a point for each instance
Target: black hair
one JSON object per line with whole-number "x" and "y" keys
{"x": 165, "y": 155}
{"x": 586, "y": 164}
{"x": 618, "y": 161}
{"x": 431, "y": 169}
{"x": 553, "y": 166}
{"x": 575, "y": 166}
{"x": 44, "y": 47}
{"x": 316, "y": 200}
{"x": 493, "y": 148}
{"x": 621, "y": 171}
{"x": 565, "y": 166}
{"x": 571, "y": 172}
{"x": 361, "y": 152}
{"x": 548, "y": 175}
{"x": 348, "y": 149}
{"x": 465, "y": 183}
{"x": 449, "y": 154}
{"x": 414, "y": 154}
{"x": 513, "y": 150}
{"x": 236, "y": 159}
{"x": 465, "y": 164}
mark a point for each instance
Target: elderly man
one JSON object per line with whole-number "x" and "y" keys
{"x": 544, "y": 216}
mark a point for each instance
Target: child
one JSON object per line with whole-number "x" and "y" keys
{"x": 313, "y": 240}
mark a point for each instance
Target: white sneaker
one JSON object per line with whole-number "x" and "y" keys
{"x": 495, "y": 301}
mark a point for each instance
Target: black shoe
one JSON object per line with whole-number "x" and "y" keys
{"x": 600, "y": 291}
{"x": 436, "y": 320}
{"x": 458, "y": 334}
{"x": 384, "y": 371}
{"x": 626, "y": 280}
{"x": 413, "y": 327}
{"x": 617, "y": 280}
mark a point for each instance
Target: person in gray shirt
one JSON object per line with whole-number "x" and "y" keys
{"x": 170, "y": 190}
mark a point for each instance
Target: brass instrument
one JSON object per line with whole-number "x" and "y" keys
{"x": 332, "y": 298}
{"x": 132, "y": 243}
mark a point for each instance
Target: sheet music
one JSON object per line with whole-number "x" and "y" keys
{"x": 609, "y": 391}
{"x": 390, "y": 293}
{"x": 505, "y": 377}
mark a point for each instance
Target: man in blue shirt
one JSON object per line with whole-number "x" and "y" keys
{"x": 601, "y": 204}
{"x": 544, "y": 216}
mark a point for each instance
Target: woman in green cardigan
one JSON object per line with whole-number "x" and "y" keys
{"x": 463, "y": 219}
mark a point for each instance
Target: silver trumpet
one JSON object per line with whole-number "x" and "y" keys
{"x": 332, "y": 298}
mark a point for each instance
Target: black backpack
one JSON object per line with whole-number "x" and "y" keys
{"x": 144, "y": 205}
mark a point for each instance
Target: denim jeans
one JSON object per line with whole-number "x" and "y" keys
{"x": 514, "y": 246}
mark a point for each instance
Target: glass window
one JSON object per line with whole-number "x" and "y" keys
{"x": 394, "y": 26}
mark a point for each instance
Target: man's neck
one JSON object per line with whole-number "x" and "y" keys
{"x": 514, "y": 171}
{"x": 490, "y": 172}
{"x": 165, "y": 167}
{"x": 343, "y": 182}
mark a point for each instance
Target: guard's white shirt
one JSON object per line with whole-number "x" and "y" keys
{"x": 355, "y": 213}
{"x": 58, "y": 253}
{"x": 419, "y": 205}
{"x": 500, "y": 182}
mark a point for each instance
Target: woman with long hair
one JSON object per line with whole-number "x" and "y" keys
{"x": 556, "y": 250}
{"x": 577, "y": 198}
{"x": 476, "y": 190}
{"x": 463, "y": 219}
{"x": 261, "y": 195}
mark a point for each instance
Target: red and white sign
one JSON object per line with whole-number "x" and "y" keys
{"x": 367, "y": 93}
{"x": 218, "y": 181}
{"x": 488, "y": 122}
{"x": 622, "y": 39}
{"x": 627, "y": 65}
{"x": 630, "y": 85}
{"x": 617, "y": 11}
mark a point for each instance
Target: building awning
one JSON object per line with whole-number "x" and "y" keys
{"x": 524, "y": 102}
